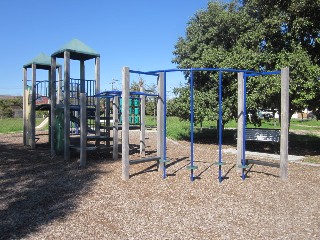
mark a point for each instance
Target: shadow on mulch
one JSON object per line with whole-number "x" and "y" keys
{"x": 36, "y": 190}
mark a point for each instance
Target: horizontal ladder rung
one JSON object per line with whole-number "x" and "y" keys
{"x": 93, "y": 148}
{"x": 104, "y": 138}
{"x": 142, "y": 160}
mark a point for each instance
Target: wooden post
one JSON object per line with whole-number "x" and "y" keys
{"x": 82, "y": 85}
{"x": 25, "y": 103}
{"x": 66, "y": 105}
{"x": 59, "y": 98}
{"x": 125, "y": 122}
{"x": 107, "y": 121}
{"x": 33, "y": 108}
{"x": 160, "y": 120}
{"x": 83, "y": 129}
{"x": 50, "y": 100}
{"x": 97, "y": 100}
{"x": 143, "y": 123}
{"x": 115, "y": 117}
{"x": 284, "y": 123}
{"x": 53, "y": 104}
{"x": 240, "y": 127}
{"x": 83, "y": 116}
{"x": 82, "y": 77}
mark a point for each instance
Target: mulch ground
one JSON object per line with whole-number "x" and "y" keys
{"x": 47, "y": 198}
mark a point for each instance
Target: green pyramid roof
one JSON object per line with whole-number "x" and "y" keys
{"x": 42, "y": 61}
{"x": 78, "y": 51}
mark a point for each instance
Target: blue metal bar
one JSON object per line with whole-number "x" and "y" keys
{"x": 145, "y": 73}
{"x": 78, "y": 80}
{"x": 191, "y": 127}
{"x": 165, "y": 125}
{"x": 144, "y": 94}
{"x": 255, "y": 74}
{"x": 220, "y": 126}
{"x": 243, "y": 162}
{"x": 191, "y": 69}
{"x": 118, "y": 93}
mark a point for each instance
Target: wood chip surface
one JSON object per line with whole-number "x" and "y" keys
{"x": 47, "y": 198}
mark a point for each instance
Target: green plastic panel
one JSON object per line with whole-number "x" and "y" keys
{"x": 136, "y": 102}
{"x": 136, "y": 119}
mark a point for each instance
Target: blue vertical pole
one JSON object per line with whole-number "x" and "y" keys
{"x": 165, "y": 125}
{"x": 244, "y": 124}
{"x": 220, "y": 126}
{"x": 191, "y": 126}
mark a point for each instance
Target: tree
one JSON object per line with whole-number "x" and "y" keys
{"x": 180, "y": 106}
{"x": 5, "y": 108}
{"x": 255, "y": 35}
{"x": 151, "y": 102}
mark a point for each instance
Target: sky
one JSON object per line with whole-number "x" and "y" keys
{"x": 140, "y": 34}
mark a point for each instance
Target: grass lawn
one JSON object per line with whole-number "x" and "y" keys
{"x": 179, "y": 129}
{"x": 300, "y": 144}
{"x": 9, "y": 125}
{"x": 312, "y": 159}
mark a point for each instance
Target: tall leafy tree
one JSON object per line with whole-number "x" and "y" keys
{"x": 255, "y": 35}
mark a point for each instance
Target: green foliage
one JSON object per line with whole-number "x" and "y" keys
{"x": 135, "y": 86}
{"x": 254, "y": 35}
{"x": 180, "y": 106}
{"x": 151, "y": 102}
{"x": 6, "y": 110}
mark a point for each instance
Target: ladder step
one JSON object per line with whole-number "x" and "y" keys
{"x": 164, "y": 160}
{"x": 243, "y": 166}
{"x": 142, "y": 160}
{"x": 132, "y": 127}
{"x": 219, "y": 163}
{"x": 101, "y": 118}
{"x": 192, "y": 167}
{"x": 104, "y": 138}
{"x": 76, "y": 148}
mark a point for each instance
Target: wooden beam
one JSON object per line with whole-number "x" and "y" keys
{"x": 97, "y": 100}
{"x": 143, "y": 160}
{"x": 33, "y": 108}
{"x": 82, "y": 77}
{"x": 50, "y": 100}
{"x": 115, "y": 117}
{"x": 240, "y": 127}
{"x": 83, "y": 129}
{"x": 60, "y": 97}
{"x": 107, "y": 120}
{"x": 66, "y": 105}
{"x": 125, "y": 122}
{"x": 53, "y": 103}
{"x": 284, "y": 123}
{"x": 25, "y": 104}
{"x": 160, "y": 120}
{"x": 143, "y": 123}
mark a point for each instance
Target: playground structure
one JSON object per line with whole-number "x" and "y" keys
{"x": 241, "y": 162}
{"x": 76, "y": 117}
{"x": 36, "y": 92}
{"x": 71, "y": 104}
